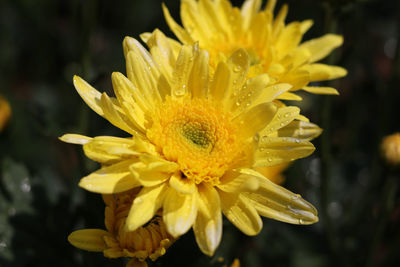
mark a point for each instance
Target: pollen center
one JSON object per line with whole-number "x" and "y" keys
{"x": 197, "y": 135}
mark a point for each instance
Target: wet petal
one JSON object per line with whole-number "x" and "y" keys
{"x": 301, "y": 130}
{"x": 75, "y": 139}
{"x": 179, "y": 212}
{"x": 89, "y": 239}
{"x": 323, "y": 46}
{"x": 241, "y": 213}
{"x": 208, "y": 225}
{"x": 321, "y": 90}
{"x": 276, "y": 202}
{"x": 256, "y": 119}
{"x": 110, "y": 179}
{"x": 277, "y": 150}
{"x": 145, "y": 206}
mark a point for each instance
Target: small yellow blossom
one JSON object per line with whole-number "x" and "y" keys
{"x": 146, "y": 242}
{"x": 235, "y": 263}
{"x": 274, "y": 48}
{"x": 5, "y": 112}
{"x": 195, "y": 141}
{"x": 391, "y": 148}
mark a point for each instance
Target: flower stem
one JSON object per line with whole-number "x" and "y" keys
{"x": 326, "y": 154}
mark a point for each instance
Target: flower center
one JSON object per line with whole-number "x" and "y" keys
{"x": 197, "y": 135}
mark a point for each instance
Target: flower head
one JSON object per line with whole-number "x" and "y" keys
{"x": 147, "y": 242}
{"x": 5, "y": 112}
{"x": 196, "y": 139}
{"x": 391, "y": 148}
{"x": 274, "y": 48}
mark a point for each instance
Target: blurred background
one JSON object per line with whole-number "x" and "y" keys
{"x": 43, "y": 43}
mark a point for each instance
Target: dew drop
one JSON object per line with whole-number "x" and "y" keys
{"x": 237, "y": 68}
{"x": 287, "y": 114}
{"x": 301, "y": 221}
{"x": 237, "y": 103}
{"x": 297, "y": 141}
{"x": 269, "y": 159}
{"x": 248, "y": 104}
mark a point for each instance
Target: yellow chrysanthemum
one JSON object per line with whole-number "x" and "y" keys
{"x": 390, "y": 148}
{"x": 194, "y": 144}
{"x": 147, "y": 242}
{"x": 274, "y": 48}
{"x": 5, "y": 112}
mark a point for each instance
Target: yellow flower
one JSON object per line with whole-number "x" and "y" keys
{"x": 274, "y": 48}
{"x": 147, "y": 242}
{"x": 235, "y": 263}
{"x": 5, "y": 112}
{"x": 391, "y": 148}
{"x": 195, "y": 141}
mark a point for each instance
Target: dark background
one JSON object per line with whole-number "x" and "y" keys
{"x": 43, "y": 43}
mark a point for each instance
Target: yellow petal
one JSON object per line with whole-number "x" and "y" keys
{"x": 276, "y": 202}
{"x": 180, "y": 76}
{"x": 277, "y": 150}
{"x": 116, "y": 116}
{"x": 108, "y": 149}
{"x": 151, "y": 171}
{"x": 249, "y": 10}
{"x": 270, "y": 6}
{"x": 273, "y": 92}
{"x": 298, "y": 79}
{"x": 131, "y": 98}
{"x": 306, "y": 25}
{"x": 279, "y": 22}
{"x": 289, "y": 39}
{"x": 198, "y": 81}
{"x": 256, "y": 119}
{"x": 282, "y": 117}
{"x": 245, "y": 98}
{"x": 208, "y": 225}
{"x": 241, "y": 213}
{"x": 182, "y": 185}
{"x": 301, "y": 130}
{"x": 218, "y": 85}
{"x": 237, "y": 181}
{"x": 289, "y": 96}
{"x": 111, "y": 179}
{"x": 179, "y": 32}
{"x": 195, "y": 24}
{"x": 90, "y": 95}
{"x": 302, "y": 118}
{"x": 214, "y": 21}
{"x": 321, "y": 90}
{"x": 75, "y": 139}
{"x": 142, "y": 70}
{"x": 162, "y": 52}
{"x": 323, "y": 72}
{"x": 323, "y": 46}
{"x": 145, "y": 206}
{"x": 179, "y": 212}
{"x": 239, "y": 64}
{"x": 88, "y": 239}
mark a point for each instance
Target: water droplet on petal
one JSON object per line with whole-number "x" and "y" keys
{"x": 237, "y": 68}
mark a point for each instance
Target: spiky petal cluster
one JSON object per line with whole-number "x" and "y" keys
{"x": 274, "y": 47}
{"x": 147, "y": 242}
